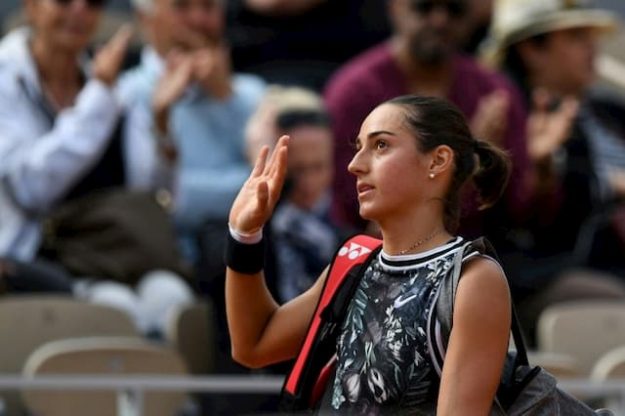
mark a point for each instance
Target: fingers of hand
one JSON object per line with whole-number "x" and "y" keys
{"x": 541, "y": 100}
{"x": 262, "y": 194}
{"x": 191, "y": 39}
{"x": 261, "y": 160}
{"x": 570, "y": 107}
{"x": 121, "y": 38}
{"x": 279, "y": 156}
{"x": 115, "y": 49}
{"x": 279, "y": 172}
{"x": 174, "y": 58}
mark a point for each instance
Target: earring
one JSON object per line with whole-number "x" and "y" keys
{"x": 431, "y": 175}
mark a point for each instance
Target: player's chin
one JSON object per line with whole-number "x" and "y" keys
{"x": 368, "y": 211}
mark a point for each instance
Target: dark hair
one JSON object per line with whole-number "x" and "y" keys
{"x": 290, "y": 119}
{"x": 437, "y": 122}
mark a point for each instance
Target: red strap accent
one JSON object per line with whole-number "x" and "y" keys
{"x": 355, "y": 251}
{"x": 320, "y": 385}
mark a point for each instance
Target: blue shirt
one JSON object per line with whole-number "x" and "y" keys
{"x": 209, "y": 134}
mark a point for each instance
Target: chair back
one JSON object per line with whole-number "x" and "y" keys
{"x": 584, "y": 330}
{"x": 111, "y": 356}
{"x": 610, "y": 365}
{"x": 29, "y": 321}
{"x": 191, "y": 331}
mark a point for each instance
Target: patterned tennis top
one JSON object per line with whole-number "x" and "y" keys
{"x": 384, "y": 362}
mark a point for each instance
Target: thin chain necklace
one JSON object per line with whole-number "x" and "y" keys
{"x": 420, "y": 242}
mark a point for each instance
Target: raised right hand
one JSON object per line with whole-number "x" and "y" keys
{"x": 259, "y": 194}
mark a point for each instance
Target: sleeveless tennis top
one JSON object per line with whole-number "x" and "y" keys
{"x": 384, "y": 363}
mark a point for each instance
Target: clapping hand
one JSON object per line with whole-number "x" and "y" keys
{"x": 177, "y": 77}
{"x": 212, "y": 70}
{"x": 208, "y": 66}
{"x": 108, "y": 60}
{"x": 257, "y": 198}
{"x": 490, "y": 120}
{"x": 548, "y": 130}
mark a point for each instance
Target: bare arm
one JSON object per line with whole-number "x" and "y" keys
{"x": 282, "y": 7}
{"x": 261, "y": 331}
{"x": 478, "y": 341}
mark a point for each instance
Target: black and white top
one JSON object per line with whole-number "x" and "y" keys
{"x": 385, "y": 365}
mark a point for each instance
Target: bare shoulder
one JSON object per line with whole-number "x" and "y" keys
{"x": 483, "y": 273}
{"x": 483, "y": 288}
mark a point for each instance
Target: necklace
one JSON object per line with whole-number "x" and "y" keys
{"x": 420, "y": 242}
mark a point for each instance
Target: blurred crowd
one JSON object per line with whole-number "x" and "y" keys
{"x": 119, "y": 159}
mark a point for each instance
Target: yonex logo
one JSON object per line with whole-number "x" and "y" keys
{"x": 353, "y": 251}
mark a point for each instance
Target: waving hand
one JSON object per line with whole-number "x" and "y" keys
{"x": 258, "y": 197}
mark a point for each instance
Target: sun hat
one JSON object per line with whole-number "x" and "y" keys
{"x": 517, "y": 20}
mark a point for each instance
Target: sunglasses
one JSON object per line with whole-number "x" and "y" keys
{"x": 453, "y": 8}
{"x": 92, "y": 4}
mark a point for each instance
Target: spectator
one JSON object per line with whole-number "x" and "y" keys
{"x": 480, "y": 14}
{"x": 422, "y": 58}
{"x": 303, "y": 234}
{"x": 62, "y": 139}
{"x": 576, "y": 144}
{"x": 301, "y": 42}
{"x": 261, "y": 128}
{"x": 190, "y": 99}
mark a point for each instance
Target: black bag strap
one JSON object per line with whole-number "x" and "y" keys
{"x": 449, "y": 286}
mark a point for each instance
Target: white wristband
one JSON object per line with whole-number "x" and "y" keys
{"x": 246, "y": 238}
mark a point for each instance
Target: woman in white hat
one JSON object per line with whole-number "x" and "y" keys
{"x": 575, "y": 139}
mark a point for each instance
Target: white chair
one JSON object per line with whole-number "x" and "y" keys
{"x": 610, "y": 365}
{"x": 191, "y": 331}
{"x": 113, "y": 356}
{"x": 584, "y": 330}
{"x": 27, "y": 322}
{"x": 561, "y": 366}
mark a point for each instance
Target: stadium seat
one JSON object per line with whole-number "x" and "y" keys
{"x": 30, "y": 321}
{"x": 191, "y": 331}
{"x": 610, "y": 365}
{"x": 585, "y": 330}
{"x": 115, "y": 356}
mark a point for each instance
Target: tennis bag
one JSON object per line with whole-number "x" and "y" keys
{"x": 524, "y": 390}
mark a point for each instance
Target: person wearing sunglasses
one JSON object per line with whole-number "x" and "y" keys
{"x": 57, "y": 112}
{"x": 64, "y": 136}
{"x": 422, "y": 57}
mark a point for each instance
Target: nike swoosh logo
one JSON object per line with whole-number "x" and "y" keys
{"x": 399, "y": 302}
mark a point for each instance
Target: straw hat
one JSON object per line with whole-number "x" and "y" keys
{"x": 517, "y": 20}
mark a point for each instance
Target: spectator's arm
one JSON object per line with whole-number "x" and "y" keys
{"x": 282, "y": 7}
{"x": 39, "y": 170}
{"x": 151, "y": 157}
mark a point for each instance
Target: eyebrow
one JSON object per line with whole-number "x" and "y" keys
{"x": 379, "y": 132}
{"x": 376, "y": 133}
